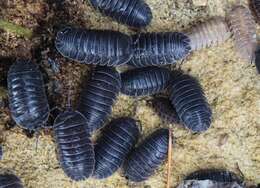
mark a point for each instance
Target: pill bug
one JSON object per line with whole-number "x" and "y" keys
{"x": 210, "y": 33}
{"x": 75, "y": 149}
{"x": 117, "y": 140}
{"x": 1, "y": 152}
{"x": 243, "y": 28}
{"x": 134, "y": 13}
{"x": 10, "y": 181}
{"x": 147, "y": 157}
{"x": 98, "y": 96}
{"x": 27, "y": 98}
{"x": 163, "y": 107}
{"x": 99, "y": 47}
{"x": 159, "y": 48}
{"x": 257, "y": 60}
{"x": 145, "y": 81}
{"x": 189, "y": 100}
{"x": 255, "y": 7}
{"x": 218, "y": 175}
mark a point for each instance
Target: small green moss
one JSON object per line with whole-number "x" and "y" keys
{"x": 15, "y": 29}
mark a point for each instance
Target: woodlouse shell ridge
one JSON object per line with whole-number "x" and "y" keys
{"x": 145, "y": 81}
{"x": 147, "y": 157}
{"x": 134, "y": 13}
{"x": 190, "y": 102}
{"x": 117, "y": 140}
{"x": 27, "y": 97}
{"x": 98, "y": 47}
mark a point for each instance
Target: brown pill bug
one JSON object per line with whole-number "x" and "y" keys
{"x": 255, "y": 7}
{"x": 243, "y": 28}
{"x": 210, "y": 33}
{"x": 163, "y": 107}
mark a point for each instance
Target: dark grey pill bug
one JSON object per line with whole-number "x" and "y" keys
{"x": 117, "y": 140}
{"x": 147, "y": 157}
{"x": 74, "y": 146}
{"x": 98, "y": 96}
{"x": 257, "y": 60}
{"x": 145, "y": 81}
{"x": 27, "y": 98}
{"x": 10, "y": 181}
{"x": 98, "y": 47}
{"x": 218, "y": 175}
{"x": 1, "y": 152}
{"x": 164, "y": 108}
{"x": 189, "y": 100}
{"x": 157, "y": 49}
{"x": 134, "y": 13}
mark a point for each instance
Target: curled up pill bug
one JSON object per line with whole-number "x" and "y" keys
{"x": 190, "y": 102}
{"x": 74, "y": 146}
{"x": 243, "y": 28}
{"x": 10, "y": 181}
{"x": 98, "y": 96}
{"x": 111, "y": 149}
{"x": 157, "y": 49}
{"x": 98, "y": 47}
{"x": 210, "y": 33}
{"x": 134, "y": 13}
{"x": 147, "y": 156}
{"x": 27, "y": 98}
{"x": 166, "y": 111}
{"x": 145, "y": 81}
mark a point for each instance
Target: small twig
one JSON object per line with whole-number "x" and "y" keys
{"x": 15, "y": 29}
{"x": 169, "y": 159}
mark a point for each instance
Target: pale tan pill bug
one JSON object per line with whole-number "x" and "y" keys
{"x": 243, "y": 28}
{"x": 210, "y": 33}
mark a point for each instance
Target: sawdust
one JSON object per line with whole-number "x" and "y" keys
{"x": 232, "y": 87}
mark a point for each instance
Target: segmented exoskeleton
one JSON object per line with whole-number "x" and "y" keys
{"x": 98, "y": 47}
{"x": 243, "y": 28}
{"x": 10, "y": 181}
{"x": 117, "y": 140}
{"x": 189, "y": 100}
{"x": 75, "y": 149}
{"x": 210, "y": 33}
{"x": 147, "y": 157}
{"x": 156, "y": 49}
{"x": 145, "y": 81}
{"x": 98, "y": 97}
{"x": 27, "y": 98}
{"x": 217, "y": 175}
{"x": 135, "y": 13}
